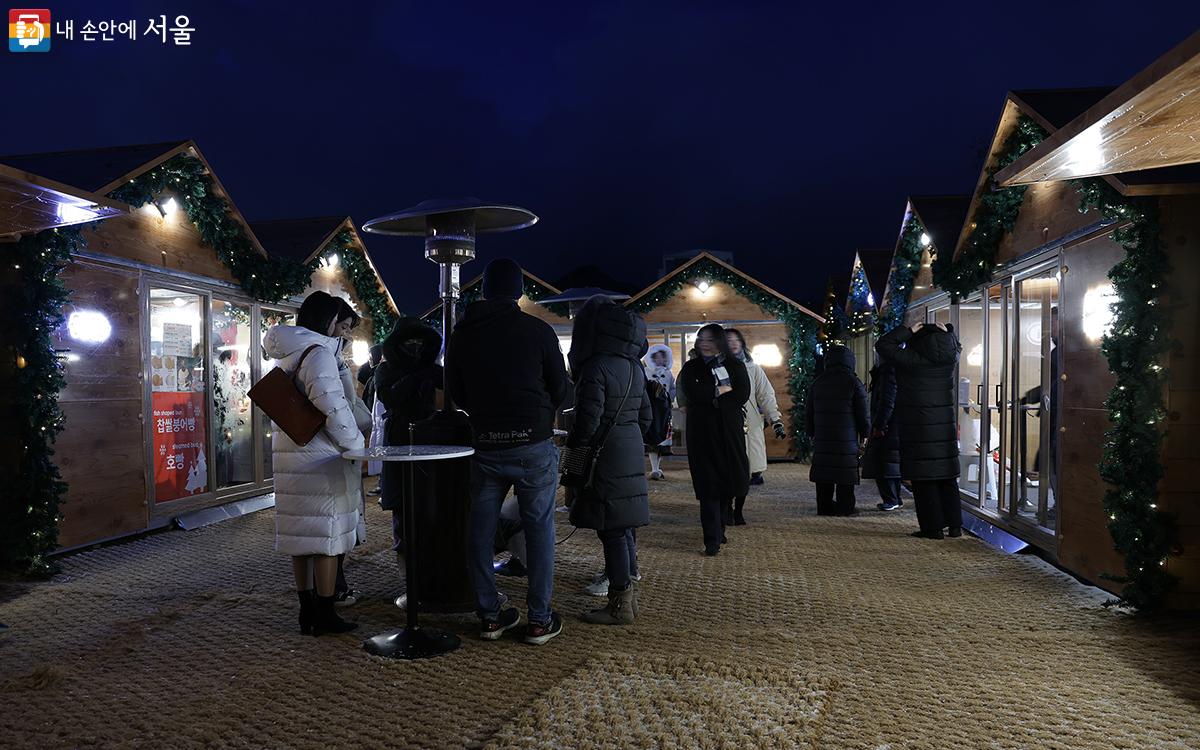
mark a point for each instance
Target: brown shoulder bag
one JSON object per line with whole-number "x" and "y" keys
{"x": 277, "y": 394}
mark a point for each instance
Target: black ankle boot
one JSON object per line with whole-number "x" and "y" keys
{"x": 738, "y": 518}
{"x": 326, "y": 619}
{"x": 308, "y": 610}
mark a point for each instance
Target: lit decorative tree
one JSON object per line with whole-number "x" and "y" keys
{"x": 860, "y": 306}
{"x": 833, "y": 330}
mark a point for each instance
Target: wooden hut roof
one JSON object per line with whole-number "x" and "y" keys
{"x": 877, "y": 264}
{"x": 706, "y": 256}
{"x": 1146, "y": 124}
{"x": 30, "y": 203}
{"x": 478, "y": 280}
{"x": 942, "y": 216}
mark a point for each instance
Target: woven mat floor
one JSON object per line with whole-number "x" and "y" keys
{"x": 804, "y": 632}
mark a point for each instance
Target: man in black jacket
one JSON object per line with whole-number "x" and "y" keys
{"x": 506, "y": 370}
{"x": 925, "y": 357}
{"x": 837, "y": 418}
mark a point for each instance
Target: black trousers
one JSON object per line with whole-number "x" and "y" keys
{"x": 711, "y": 507}
{"x": 620, "y": 555}
{"x": 938, "y": 504}
{"x": 826, "y": 506}
{"x": 889, "y": 490}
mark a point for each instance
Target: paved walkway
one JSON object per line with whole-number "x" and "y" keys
{"x": 803, "y": 632}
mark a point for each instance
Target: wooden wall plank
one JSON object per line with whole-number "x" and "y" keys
{"x": 171, "y": 243}
{"x": 109, "y": 370}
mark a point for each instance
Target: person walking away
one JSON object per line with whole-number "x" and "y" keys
{"x": 505, "y": 369}
{"x": 761, "y": 406}
{"x": 610, "y": 396}
{"x": 317, "y": 493}
{"x": 366, "y": 378}
{"x": 658, "y": 362}
{"x": 925, "y": 357}
{"x": 881, "y": 461}
{"x": 837, "y": 418}
{"x": 406, "y": 383}
{"x": 713, "y": 387}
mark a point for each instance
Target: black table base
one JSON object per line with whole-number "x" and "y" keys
{"x": 412, "y": 643}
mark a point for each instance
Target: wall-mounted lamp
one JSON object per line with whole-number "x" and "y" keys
{"x": 925, "y": 239}
{"x": 167, "y": 207}
{"x": 703, "y": 286}
{"x": 332, "y": 260}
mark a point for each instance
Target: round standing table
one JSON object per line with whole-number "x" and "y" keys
{"x": 412, "y": 641}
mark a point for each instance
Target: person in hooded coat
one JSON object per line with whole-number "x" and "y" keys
{"x": 317, "y": 492}
{"x": 837, "y": 418}
{"x": 658, "y": 362}
{"x": 881, "y": 462}
{"x": 761, "y": 406}
{"x": 406, "y": 382}
{"x": 607, "y": 342}
{"x": 925, "y": 357}
{"x": 713, "y": 388}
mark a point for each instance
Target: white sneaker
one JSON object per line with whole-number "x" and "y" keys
{"x": 657, "y": 475}
{"x": 598, "y": 586}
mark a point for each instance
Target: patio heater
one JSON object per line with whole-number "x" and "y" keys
{"x": 449, "y": 228}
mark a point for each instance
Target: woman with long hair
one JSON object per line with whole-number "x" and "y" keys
{"x": 713, "y": 389}
{"x": 317, "y": 493}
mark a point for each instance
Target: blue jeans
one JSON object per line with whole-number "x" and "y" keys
{"x": 532, "y": 471}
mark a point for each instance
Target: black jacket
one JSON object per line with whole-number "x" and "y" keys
{"x": 505, "y": 369}
{"x": 882, "y": 459}
{"x": 606, "y": 348}
{"x": 925, "y": 399}
{"x": 406, "y": 381}
{"x": 836, "y": 417}
{"x": 715, "y": 430}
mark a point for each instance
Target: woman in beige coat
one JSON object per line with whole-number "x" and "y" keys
{"x": 759, "y": 407}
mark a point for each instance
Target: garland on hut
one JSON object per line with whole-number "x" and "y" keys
{"x": 802, "y": 333}
{"x": 29, "y": 514}
{"x": 998, "y": 208}
{"x": 905, "y": 265}
{"x": 833, "y": 332}
{"x": 266, "y": 279}
{"x": 860, "y": 304}
{"x": 366, "y": 284}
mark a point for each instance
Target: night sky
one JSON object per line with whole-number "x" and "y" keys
{"x": 789, "y": 135}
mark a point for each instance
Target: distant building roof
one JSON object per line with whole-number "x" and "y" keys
{"x": 1059, "y": 106}
{"x": 877, "y": 264}
{"x": 296, "y": 239}
{"x": 92, "y": 169}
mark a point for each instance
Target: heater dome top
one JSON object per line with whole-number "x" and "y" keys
{"x": 489, "y": 217}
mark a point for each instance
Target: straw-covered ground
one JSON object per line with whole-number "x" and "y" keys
{"x": 804, "y": 632}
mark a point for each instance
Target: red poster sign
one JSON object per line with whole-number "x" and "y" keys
{"x": 180, "y": 466}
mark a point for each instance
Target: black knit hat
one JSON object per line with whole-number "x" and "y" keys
{"x": 503, "y": 279}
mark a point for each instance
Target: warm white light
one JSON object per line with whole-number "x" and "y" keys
{"x": 360, "y": 352}
{"x": 169, "y": 207}
{"x": 90, "y": 326}
{"x": 332, "y": 260}
{"x": 69, "y": 213}
{"x": 1085, "y": 152}
{"x": 73, "y": 357}
{"x": 870, "y": 299}
{"x": 1097, "y": 311}
{"x": 703, "y": 286}
{"x": 975, "y": 356}
{"x": 925, "y": 239}
{"x": 180, "y": 302}
{"x": 767, "y": 355}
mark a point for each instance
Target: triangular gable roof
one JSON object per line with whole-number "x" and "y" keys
{"x": 942, "y": 216}
{"x": 876, "y": 264}
{"x": 103, "y": 170}
{"x": 470, "y": 286}
{"x": 30, "y": 203}
{"x": 304, "y": 240}
{"x": 706, "y": 256}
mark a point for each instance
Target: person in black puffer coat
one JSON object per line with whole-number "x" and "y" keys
{"x": 837, "y": 418}
{"x": 607, "y": 344}
{"x": 406, "y": 381}
{"x": 713, "y": 389}
{"x": 882, "y": 459}
{"x": 925, "y": 357}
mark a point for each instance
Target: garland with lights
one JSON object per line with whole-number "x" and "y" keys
{"x": 1132, "y": 459}
{"x": 900, "y": 282}
{"x": 861, "y": 310}
{"x": 802, "y": 334}
{"x": 366, "y": 284}
{"x": 833, "y": 331}
{"x": 266, "y": 279}
{"x": 998, "y": 208}
{"x": 29, "y": 514}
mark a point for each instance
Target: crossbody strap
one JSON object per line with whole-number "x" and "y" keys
{"x": 612, "y": 422}
{"x": 296, "y": 372}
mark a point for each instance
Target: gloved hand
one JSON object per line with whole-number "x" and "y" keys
{"x": 780, "y": 432}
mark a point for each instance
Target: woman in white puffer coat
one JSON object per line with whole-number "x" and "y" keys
{"x": 317, "y": 492}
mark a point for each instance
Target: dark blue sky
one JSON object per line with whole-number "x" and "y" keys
{"x": 787, "y": 134}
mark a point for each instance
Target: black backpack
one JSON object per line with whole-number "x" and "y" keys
{"x": 660, "y": 404}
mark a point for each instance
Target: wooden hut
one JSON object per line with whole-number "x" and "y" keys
{"x": 161, "y": 339}
{"x": 1027, "y": 285}
{"x": 863, "y": 293}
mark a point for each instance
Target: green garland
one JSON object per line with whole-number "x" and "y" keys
{"x": 29, "y": 514}
{"x": 905, "y": 264}
{"x": 1132, "y": 458}
{"x": 365, "y": 282}
{"x": 997, "y": 212}
{"x": 861, "y": 310}
{"x": 802, "y": 334}
{"x": 834, "y": 331}
{"x": 267, "y": 279}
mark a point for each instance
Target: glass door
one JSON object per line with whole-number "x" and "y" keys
{"x": 267, "y": 320}
{"x": 1035, "y": 370}
{"x": 972, "y": 411}
{"x": 178, "y": 383}
{"x": 995, "y": 421}
{"x": 233, "y": 424}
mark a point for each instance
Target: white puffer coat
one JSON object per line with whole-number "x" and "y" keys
{"x": 317, "y": 492}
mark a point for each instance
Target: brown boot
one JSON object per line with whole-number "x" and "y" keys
{"x": 619, "y": 610}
